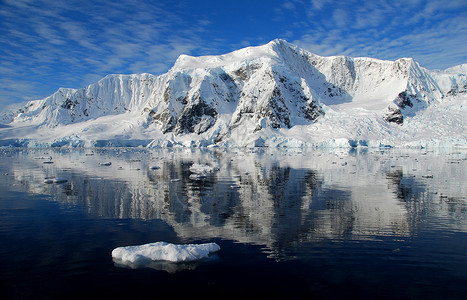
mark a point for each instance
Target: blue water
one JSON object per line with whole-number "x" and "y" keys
{"x": 310, "y": 224}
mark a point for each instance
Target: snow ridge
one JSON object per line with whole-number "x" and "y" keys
{"x": 271, "y": 95}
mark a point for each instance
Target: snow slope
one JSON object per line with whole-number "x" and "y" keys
{"x": 271, "y": 95}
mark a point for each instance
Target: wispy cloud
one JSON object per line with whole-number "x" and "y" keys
{"x": 69, "y": 42}
{"x": 318, "y": 4}
{"x": 288, "y": 5}
{"x": 433, "y": 32}
{"x": 339, "y": 16}
{"x": 46, "y": 44}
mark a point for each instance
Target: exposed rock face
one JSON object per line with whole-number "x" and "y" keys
{"x": 402, "y": 101}
{"x": 394, "y": 115}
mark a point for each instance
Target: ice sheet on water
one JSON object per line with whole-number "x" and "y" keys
{"x": 162, "y": 251}
{"x": 197, "y": 176}
{"x": 201, "y": 169}
{"x": 55, "y": 180}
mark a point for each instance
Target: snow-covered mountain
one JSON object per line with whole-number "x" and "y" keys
{"x": 271, "y": 95}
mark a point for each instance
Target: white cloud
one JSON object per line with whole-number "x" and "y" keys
{"x": 318, "y": 4}
{"x": 433, "y": 32}
{"x": 45, "y": 41}
{"x": 43, "y": 38}
{"x": 340, "y": 17}
{"x": 288, "y": 5}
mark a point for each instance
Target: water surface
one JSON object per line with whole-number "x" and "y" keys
{"x": 322, "y": 224}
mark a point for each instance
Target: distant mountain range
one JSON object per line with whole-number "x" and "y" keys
{"x": 275, "y": 95}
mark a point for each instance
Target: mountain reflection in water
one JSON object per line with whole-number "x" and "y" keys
{"x": 274, "y": 198}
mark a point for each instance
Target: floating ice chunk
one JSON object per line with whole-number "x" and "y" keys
{"x": 55, "y": 180}
{"x": 201, "y": 169}
{"x": 197, "y": 176}
{"x": 161, "y": 251}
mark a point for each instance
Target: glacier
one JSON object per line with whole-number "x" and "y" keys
{"x": 274, "y": 95}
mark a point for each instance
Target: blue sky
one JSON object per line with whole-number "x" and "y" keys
{"x": 47, "y": 44}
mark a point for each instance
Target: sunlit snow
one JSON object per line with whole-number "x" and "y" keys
{"x": 55, "y": 180}
{"x": 162, "y": 251}
{"x": 201, "y": 169}
{"x": 274, "y": 95}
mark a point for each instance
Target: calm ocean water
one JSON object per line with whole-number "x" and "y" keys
{"x": 334, "y": 224}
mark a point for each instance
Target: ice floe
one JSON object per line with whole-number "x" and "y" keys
{"x": 148, "y": 254}
{"x": 55, "y": 180}
{"x": 201, "y": 169}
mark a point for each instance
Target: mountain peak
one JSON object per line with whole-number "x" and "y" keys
{"x": 258, "y": 95}
{"x": 459, "y": 69}
{"x": 269, "y": 51}
{"x": 279, "y": 42}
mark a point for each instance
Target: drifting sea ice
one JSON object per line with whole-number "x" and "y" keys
{"x": 55, "y": 180}
{"x": 162, "y": 251}
{"x": 197, "y": 176}
{"x": 201, "y": 169}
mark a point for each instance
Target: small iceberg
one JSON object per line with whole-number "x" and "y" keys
{"x": 197, "y": 176}
{"x": 55, "y": 180}
{"x": 163, "y": 256}
{"x": 201, "y": 169}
